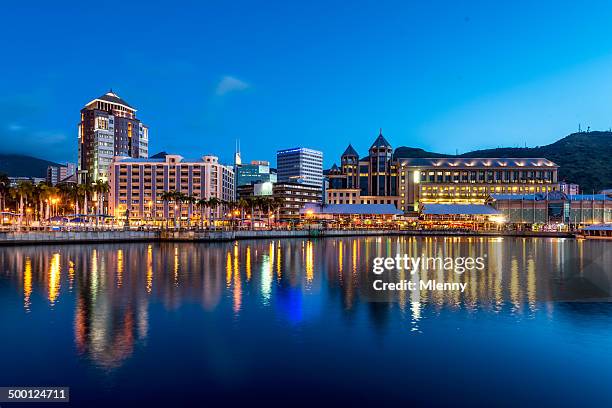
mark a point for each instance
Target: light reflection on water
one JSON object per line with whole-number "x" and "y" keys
{"x": 111, "y": 289}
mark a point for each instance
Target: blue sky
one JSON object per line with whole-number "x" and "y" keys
{"x": 440, "y": 75}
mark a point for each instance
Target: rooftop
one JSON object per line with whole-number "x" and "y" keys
{"x": 555, "y": 195}
{"x": 352, "y": 209}
{"x": 477, "y": 163}
{"x": 599, "y": 227}
{"x": 112, "y": 97}
{"x": 350, "y": 151}
{"x": 459, "y": 209}
{"x": 380, "y": 141}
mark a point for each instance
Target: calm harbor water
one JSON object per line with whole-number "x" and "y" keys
{"x": 290, "y": 322}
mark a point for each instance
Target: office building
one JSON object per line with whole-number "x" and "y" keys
{"x": 256, "y": 171}
{"x": 108, "y": 128}
{"x": 137, "y": 185}
{"x": 300, "y": 165}
{"x": 294, "y": 197}
{"x": 57, "y": 174}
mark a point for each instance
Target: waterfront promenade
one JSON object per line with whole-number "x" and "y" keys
{"x": 105, "y": 236}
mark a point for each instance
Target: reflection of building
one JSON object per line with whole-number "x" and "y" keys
{"x": 300, "y": 165}
{"x": 387, "y": 177}
{"x": 555, "y": 207}
{"x": 138, "y": 184}
{"x": 256, "y": 171}
{"x": 109, "y": 128}
{"x": 569, "y": 188}
{"x": 294, "y": 196}
{"x": 56, "y": 174}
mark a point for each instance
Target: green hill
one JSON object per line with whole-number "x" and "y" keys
{"x": 584, "y": 158}
{"x": 19, "y": 165}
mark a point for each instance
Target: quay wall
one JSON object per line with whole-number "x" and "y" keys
{"x": 76, "y": 237}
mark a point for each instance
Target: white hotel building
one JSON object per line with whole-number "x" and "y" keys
{"x": 137, "y": 184}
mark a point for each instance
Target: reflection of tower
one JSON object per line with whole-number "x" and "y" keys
{"x": 380, "y": 167}
{"x": 106, "y": 325}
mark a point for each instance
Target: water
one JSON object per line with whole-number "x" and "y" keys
{"x": 291, "y": 322}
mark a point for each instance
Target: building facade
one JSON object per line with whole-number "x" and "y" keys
{"x": 137, "y": 185}
{"x": 108, "y": 128}
{"x": 300, "y": 165}
{"x": 294, "y": 196}
{"x": 386, "y": 176}
{"x": 56, "y": 174}
{"x": 569, "y": 188}
{"x": 554, "y": 208}
{"x": 256, "y": 171}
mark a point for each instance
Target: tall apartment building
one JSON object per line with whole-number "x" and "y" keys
{"x": 137, "y": 185}
{"x": 56, "y": 174}
{"x": 300, "y": 165}
{"x": 109, "y": 128}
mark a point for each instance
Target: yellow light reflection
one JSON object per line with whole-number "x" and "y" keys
{"x": 176, "y": 266}
{"x": 248, "y": 263}
{"x": 228, "y": 269}
{"x": 71, "y": 274}
{"x": 309, "y": 262}
{"x": 278, "y": 263}
{"x": 54, "y": 278}
{"x": 119, "y": 267}
{"x": 27, "y": 283}
{"x": 149, "y": 269}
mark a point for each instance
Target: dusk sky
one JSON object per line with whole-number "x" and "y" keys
{"x": 439, "y": 75}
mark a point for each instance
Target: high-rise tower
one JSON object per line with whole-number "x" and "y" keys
{"x": 108, "y": 128}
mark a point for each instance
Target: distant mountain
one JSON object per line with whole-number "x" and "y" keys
{"x": 414, "y": 153}
{"x": 584, "y": 158}
{"x": 19, "y": 165}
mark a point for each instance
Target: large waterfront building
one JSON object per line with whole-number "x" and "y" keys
{"x": 108, "y": 128}
{"x": 137, "y": 185}
{"x": 388, "y": 177}
{"x": 300, "y": 165}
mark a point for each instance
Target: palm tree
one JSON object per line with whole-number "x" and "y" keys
{"x": 242, "y": 205}
{"x": 168, "y": 197}
{"x": 101, "y": 188}
{"x": 190, "y": 200}
{"x": 277, "y": 203}
{"x": 23, "y": 191}
{"x": 180, "y": 198}
{"x": 5, "y": 184}
{"x": 202, "y": 203}
{"x": 83, "y": 191}
{"x": 213, "y": 203}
